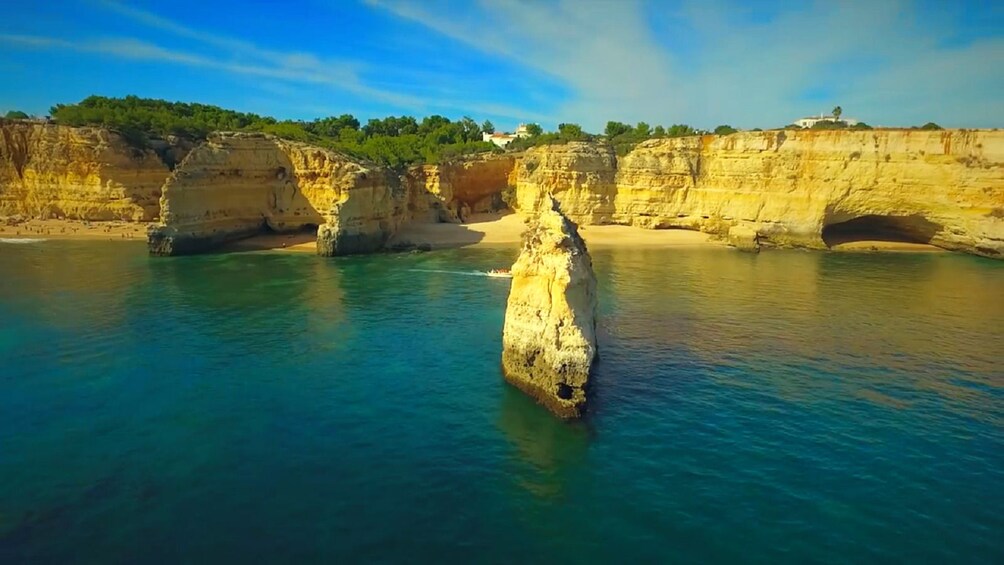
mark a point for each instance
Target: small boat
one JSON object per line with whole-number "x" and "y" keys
{"x": 502, "y": 273}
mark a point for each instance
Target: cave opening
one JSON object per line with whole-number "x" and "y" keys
{"x": 898, "y": 229}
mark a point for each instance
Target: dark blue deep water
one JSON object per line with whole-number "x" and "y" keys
{"x": 787, "y": 407}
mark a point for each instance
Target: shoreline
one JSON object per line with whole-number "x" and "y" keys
{"x": 482, "y": 230}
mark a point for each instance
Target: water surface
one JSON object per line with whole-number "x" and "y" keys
{"x": 786, "y": 407}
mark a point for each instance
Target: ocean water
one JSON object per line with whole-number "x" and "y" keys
{"x": 265, "y": 407}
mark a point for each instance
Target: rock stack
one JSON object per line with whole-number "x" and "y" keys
{"x": 549, "y": 338}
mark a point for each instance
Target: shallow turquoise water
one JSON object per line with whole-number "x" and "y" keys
{"x": 787, "y": 407}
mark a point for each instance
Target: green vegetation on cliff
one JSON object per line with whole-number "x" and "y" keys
{"x": 393, "y": 141}
{"x": 624, "y": 137}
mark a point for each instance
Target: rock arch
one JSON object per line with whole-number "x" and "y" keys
{"x": 913, "y": 228}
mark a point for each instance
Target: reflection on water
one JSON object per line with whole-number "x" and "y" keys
{"x": 787, "y": 407}
{"x": 546, "y": 449}
{"x": 819, "y": 310}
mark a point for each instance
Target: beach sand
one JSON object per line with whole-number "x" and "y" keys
{"x": 489, "y": 230}
{"x": 503, "y": 230}
{"x": 507, "y": 230}
{"x": 75, "y": 229}
{"x": 875, "y": 245}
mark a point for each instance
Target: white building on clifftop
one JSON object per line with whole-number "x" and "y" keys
{"x": 502, "y": 139}
{"x": 813, "y": 120}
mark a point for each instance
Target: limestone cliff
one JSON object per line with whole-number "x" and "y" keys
{"x": 448, "y": 192}
{"x": 238, "y": 184}
{"x": 51, "y": 171}
{"x": 549, "y": 337}
{"x": 798, "y": 188}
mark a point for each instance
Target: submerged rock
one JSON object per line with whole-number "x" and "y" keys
{"x": 549, "y": 338}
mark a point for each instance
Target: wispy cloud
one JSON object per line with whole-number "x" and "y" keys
{"x": 741, "y": 66}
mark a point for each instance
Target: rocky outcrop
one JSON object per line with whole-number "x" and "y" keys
{"x": 450, "y": 191}
{"x": 52, "y": 171}
{"x": 580, "y": 175}
{"x": 549, "y": 337}
{"x": 786, "y": 188}
{"x": 239, "y": 184}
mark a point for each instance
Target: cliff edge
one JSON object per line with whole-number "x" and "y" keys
{"x": 811, "y": 189}
{"x": 52, "y": 171}
{"x": 549, "y": 337}
{"x": 236, "y": 185}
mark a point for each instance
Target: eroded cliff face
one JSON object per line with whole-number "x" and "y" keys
{"x": 549, "y": 337}
{"x": 449, "y": 192}
{"x": 580, "y": 175}
{"x": 239, "y": 184}
{"x": 798, "y": 188}
{"x": 52, "y": 171}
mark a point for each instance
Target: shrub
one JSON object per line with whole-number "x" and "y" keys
{"x": 830, "y": 125}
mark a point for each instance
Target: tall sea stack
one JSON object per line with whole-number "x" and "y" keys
{"x": 549, "y": 338}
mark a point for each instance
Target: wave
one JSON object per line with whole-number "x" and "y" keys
{"x": 22, "y": 240}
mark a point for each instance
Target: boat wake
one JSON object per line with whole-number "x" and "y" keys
{"x": 464, "y": 273}
{"x": 21, "y": 240}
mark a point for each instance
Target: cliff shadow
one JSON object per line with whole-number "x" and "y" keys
{"x": 502, "y": 228}
{"x": 895, "y": 229}
{"x": 304, "y": 239}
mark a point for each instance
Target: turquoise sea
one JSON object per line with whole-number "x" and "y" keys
{"x": 790, "y": 407}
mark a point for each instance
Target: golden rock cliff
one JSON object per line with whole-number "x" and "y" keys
{"x": 448, "y": 192}
{"x": 239, "y": 184}
{"x": 798, "y": 188}
{"x": 549, "y": 337}
{"x": 52, "y": 171}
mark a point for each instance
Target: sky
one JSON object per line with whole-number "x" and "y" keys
{"x": 745, "y": 63}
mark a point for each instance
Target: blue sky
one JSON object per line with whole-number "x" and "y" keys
{"x": 700, "y": 62}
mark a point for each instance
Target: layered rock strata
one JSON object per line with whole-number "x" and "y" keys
{"x": 239, "y": 184}
{"x": 549, "y": 337}
{"x": 786, "y": 188}
{"x": 449, "y": 192}
{"x": 51, "y": 171}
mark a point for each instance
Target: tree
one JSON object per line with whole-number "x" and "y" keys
{"x": 642, "y": 129}
{"x": 659, "y": 131}
{"x": 534, "y": 130}
{"x": 471, "y": 131}
{"x": 332, "y": 126}
{"x": 837, "y": 111}
{"x": 16, "y": 115}
{"x": 614, "y": 129}
{"x": 570, "y": 131}
{"x": 488, "y": 127}
{"x": 724, "y": 130}
{"x": 680, "y": 130}
{"x": 432, "y": 123}
{"x": 393, "y": 141}
{"x": 931, "y": 125}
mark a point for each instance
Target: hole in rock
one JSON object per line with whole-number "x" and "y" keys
{"x": 902, "y": 229}
{"x": 564, "y": 391}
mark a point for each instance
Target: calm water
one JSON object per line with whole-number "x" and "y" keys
{"x": 790, "y": 406}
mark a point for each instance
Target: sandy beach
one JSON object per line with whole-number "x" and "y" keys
{"x": 506, "y": 230}
{"x": 898, "y": 246}
{"x": 481, "y": 230}
{"x": 75, "y": 229}
{"x": 490, "y": 230}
